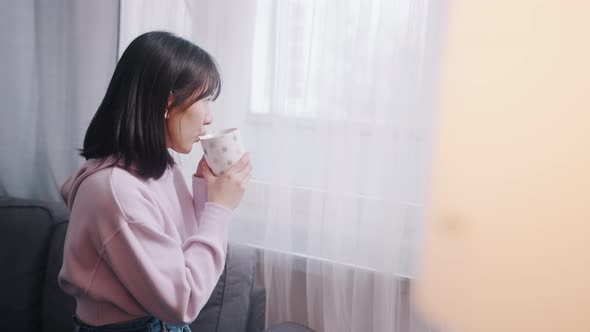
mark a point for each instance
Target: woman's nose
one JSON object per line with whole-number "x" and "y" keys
{"x": 208, "y": 118}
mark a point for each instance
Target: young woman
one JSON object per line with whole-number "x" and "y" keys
{"x": 141, "y": 253}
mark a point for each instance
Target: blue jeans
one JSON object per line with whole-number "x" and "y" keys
{"x": 145, "y": 324}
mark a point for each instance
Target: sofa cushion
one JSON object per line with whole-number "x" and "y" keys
{"x": 237, "y": 296}
{"x": 26, "y": 228}
{"x": 289, "y": 327}
{"x": 58, "y": 307}
{"x": 237, "y": 303}
{"x": 257, "y": 314}
{"x": 208, "y": 318}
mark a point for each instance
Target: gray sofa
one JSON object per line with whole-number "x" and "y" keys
{"x": 31, "y": 246}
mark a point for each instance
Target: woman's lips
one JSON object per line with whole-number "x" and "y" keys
{"x": 198, "y": 138}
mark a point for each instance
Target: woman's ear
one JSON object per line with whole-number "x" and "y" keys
{"x": 170, "y": 101}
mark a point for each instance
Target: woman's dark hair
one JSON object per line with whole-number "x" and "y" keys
{"x": 129, "y": 123}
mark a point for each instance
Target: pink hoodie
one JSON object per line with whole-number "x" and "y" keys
{"x": 137, "y": 248}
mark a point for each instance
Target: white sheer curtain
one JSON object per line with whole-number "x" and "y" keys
{"x": 335, "y": 101}
{"x": 57, "y": 59}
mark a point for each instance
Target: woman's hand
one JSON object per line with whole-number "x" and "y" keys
{"x": 228, "y": 188}
{"x": 199, "y": 172}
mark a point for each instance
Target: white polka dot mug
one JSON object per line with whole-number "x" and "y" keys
{"x": 222, "y": 149}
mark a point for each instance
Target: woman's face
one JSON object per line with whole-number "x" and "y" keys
{"x": 184, "y": 128}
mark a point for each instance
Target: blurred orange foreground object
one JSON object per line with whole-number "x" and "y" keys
{"x": 507, "y": 246}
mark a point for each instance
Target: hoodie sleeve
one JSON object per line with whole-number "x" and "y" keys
{"x": 199, "y": 195}
{"x": 171, "y": 280}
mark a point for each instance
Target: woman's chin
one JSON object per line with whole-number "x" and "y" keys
{"x": 184, "y": 150}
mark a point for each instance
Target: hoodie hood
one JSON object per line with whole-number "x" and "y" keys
{"x": 70, "y": 187}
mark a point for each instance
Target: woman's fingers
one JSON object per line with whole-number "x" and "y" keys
{"x": 199, "y": 172}
{"x": 245, "y": 181}
{"x": 245, "y": 172}
{"x": 228, "y": 188}
{"x": 241, "y": 164}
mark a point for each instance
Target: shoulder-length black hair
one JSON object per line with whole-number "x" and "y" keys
{"x": 129, "y": 124}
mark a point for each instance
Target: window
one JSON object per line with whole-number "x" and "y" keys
{"x": 282, "y": 43}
